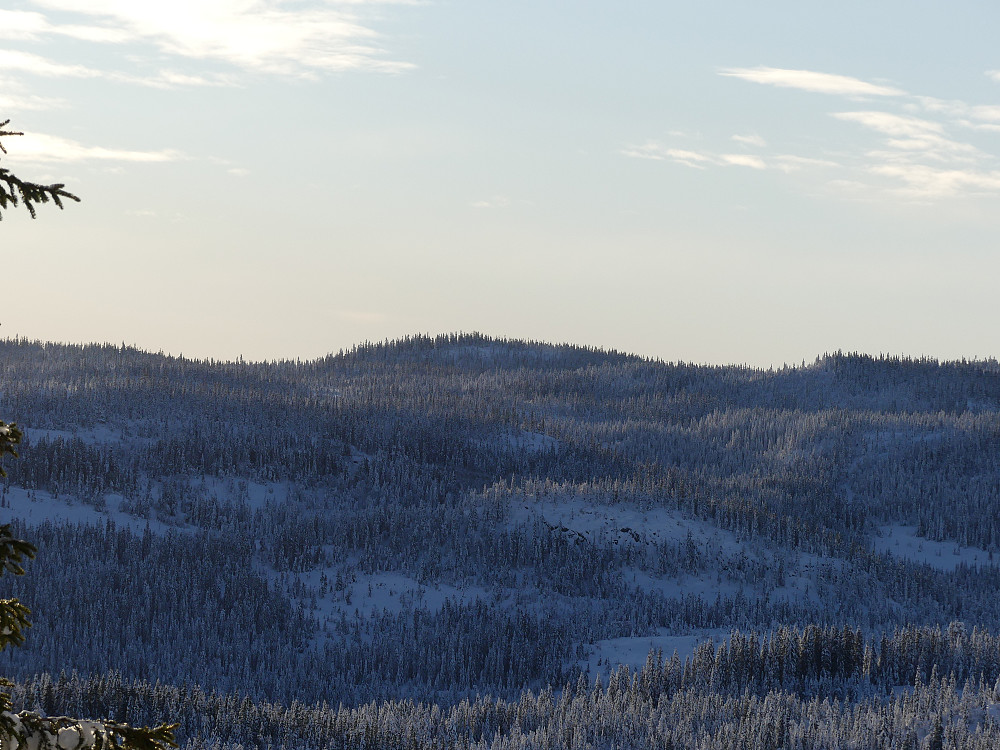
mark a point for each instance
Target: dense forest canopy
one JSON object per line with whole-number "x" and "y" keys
{"x": 410, "y": 526}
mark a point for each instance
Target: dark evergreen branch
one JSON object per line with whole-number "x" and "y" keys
{"x": 10, "y": 435}
{"x": 15, "y": 191}
{"x": 13, "y": 551}
{"x": 13, "y": 621}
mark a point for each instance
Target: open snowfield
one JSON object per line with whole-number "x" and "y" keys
{"x": 902, "y": 541}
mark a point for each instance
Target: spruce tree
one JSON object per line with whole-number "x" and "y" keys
{"x": 15, "y": 191}
{"x": 29, "y": 729}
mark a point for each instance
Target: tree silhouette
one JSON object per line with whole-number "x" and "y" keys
{"x": 15, "y": 191}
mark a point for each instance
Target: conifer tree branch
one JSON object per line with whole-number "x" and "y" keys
{"x": 13, "y": 551}
{"x": 15, "y": 191}
{"x": 10, "y": 435}
{"x": 31, "y": 730}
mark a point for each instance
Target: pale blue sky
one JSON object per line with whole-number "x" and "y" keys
{"x": 710, "y": 182}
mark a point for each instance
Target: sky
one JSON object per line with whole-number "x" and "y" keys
{"x": 713, "y": 182}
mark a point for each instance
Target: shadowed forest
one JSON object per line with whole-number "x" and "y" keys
{"x": 462, "y": 541}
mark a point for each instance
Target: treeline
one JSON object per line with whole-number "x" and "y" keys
{"x": 783, "y": 691}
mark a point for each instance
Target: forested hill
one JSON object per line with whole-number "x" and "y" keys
{"x": 444, "y": 518}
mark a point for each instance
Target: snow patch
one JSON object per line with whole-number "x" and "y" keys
{"x": 35, "y": 507}
{"x": 608, "y": 654}
{"x": 903, "y": 542}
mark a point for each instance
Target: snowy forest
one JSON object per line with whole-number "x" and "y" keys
{"x": 462, "y": 541}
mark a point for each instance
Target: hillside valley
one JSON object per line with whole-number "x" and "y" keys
{"x": 477, "y": 542}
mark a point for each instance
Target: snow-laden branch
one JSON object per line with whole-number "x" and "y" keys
{"x": 30, "y": 731}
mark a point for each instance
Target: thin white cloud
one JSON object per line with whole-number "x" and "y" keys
{"x": 38, "y": 147}
{"x": 658, "y": 152}
{"x": 260, "y": 35}
{"x": 24, "y": 62}
{"x": 689, "y": 158}
{"x": 913, "y": 134}
{"x": 811, "y": 80}
{"x": 15, "y": 61}
{"x": 15, "y": 97}
{"x": 916, "y": 155}
{"x": 168, "y": 79}
{"x": 933, "y": 105}
{"x": 922, "y": 181}
{"x": 684, "y": 156}
{"x": 923, "y": 162}
{"x": 793, "y": 163}
{"x": 895, "y": 125}
{"x": 19, "y": 24}
{"x": 989, "y": 112}
{"x": 956, "y": 109}
{"x": 28, "y": 25}
{"x": 743, "y": 160}
{"x": 750, "y": 140}
{"x": 987, "y": 126}
{"x": 12, "y": 102}
{"x": 648, "y": 150}
{"x": 994, "y": 74}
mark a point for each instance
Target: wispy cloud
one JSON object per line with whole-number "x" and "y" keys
{"x": 959, "y": 111}
{"x": 38, "y": 147}
{"x": 16, "y": 61}
{"x": 925, "y": 162}
{"x": 658, "y": 152}
{"x": 913, "y": 154}
{"x": 743, "y": 160}
{"x": 698, "y": 159}
{"x": 28, "y": 25}
{"x": 990, "y": 112}
{"x": 913, "y": 134}
{"x": 264, "y": 36}
{"x": 987, "y": 126}
{"x": 16, "y": 97}
{"x": 924, "y": 182}
{"x": 750, "y": 140}
{"x": 13, "y": 102}
{"x": 994, "y": 74}
{"x": 811, "y": 80}
{"x": 792, "y": 163}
